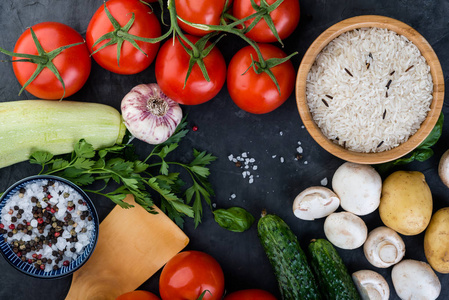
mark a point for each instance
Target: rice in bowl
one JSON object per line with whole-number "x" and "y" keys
{"x": 369, "y": 90}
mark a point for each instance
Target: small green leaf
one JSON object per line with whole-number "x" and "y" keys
{"x": 83, "y": 163}
{"x": 41, "y": 157}
{"x": 235, "y": 219}
{"x": 84, "y": 149}
{"x": 200, "y": 171}
{"x": 59, "y": 163}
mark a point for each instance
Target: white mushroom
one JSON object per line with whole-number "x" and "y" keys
{"x": 345, "y": 230}
{"x": 371, "y": 285}
{"x": 384, "y": 247}
{"x": 443, "y": 168}
{"x": 358, "y": 187}
{"x": 414, "y": 279}
{"x": 315, "y": 202}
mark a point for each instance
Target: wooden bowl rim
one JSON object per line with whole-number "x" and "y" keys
{"x": 366, "y": 21}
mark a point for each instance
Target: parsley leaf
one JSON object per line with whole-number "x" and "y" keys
{"x": 124, "y": 173}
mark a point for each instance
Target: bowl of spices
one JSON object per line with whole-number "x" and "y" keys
{"x": 48, "y": 226}
{"x": 370, "y": 89}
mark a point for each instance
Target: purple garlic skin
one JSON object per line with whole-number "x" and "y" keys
{"x": 149, "y": 114}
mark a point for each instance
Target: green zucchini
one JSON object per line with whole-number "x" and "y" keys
{"x": 27, "y": 126}
{"x": 293, "y": 273}
{"x": 333, "y": 277}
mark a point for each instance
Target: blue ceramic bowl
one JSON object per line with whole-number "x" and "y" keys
{"x": 29, "y": 269}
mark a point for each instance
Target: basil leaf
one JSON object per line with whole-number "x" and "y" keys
{"x": 234, "y": 219}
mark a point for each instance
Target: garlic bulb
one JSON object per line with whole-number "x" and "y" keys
{"x": 149, "y": 114}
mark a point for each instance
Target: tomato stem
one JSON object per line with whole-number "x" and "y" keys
{"x": 42, "y": 60}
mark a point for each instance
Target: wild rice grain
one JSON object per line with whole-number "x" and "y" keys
{"x": 349, "y": 73}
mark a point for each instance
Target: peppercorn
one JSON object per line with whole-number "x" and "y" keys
{"x": 65, "y": 263}
{"x": 33, "y": 199}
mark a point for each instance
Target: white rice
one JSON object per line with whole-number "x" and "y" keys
{"x": 361, "y": 111}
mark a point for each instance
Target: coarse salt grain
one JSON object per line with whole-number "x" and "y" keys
{"x": 324, "y": 181}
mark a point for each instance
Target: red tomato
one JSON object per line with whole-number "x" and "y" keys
{"x": 257, "y": 93}
{"x": 138, "y": 295}
{"x": 199, "y": 11}
{"x": 250, "y": 294}
{"x": 172, "y": 64}
{"x": 73, "y": 63}
{"x": 285, "y": 19}
{"x": 188, "y": 274}
{"x": 145, "y": 25}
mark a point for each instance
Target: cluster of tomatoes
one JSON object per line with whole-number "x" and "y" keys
{"x": 124, "y": 37}
{"x": 190, "y": 275}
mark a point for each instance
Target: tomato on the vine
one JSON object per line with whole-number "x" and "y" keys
{"x": 189, "y": 274}
{"x": 138, "y": 295}
{"x": 257, "y": 93}
{"x": 206, "y": 12}
{"x": 172, "y": 64}
{"x": 250, "y": 294}
{"x": 73, "y": 64}
{"x": 131, "y": 59}
{"x": 285, "y": 18}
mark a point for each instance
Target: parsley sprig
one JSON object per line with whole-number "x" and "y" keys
{"x": 121, "y": 170}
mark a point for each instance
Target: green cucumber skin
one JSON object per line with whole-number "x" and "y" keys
{"x": 293, "y": 273}
{"x": 333, "y": 277}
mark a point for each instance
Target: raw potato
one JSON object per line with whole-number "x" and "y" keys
{"x": 414, "y": 279}
{"x": 315, "y": 202}
{"x": 384, "y": 247}
{"x": 436, "y": 241}
{"x": 371, "y": 285}
{"x": 358, "y": 187}
{"x": 443, "y": 168}
{"x": 406, "y": 202}
{"x": 345, "y": 230}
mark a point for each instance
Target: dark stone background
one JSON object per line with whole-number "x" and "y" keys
{"x": 224, "y": 129}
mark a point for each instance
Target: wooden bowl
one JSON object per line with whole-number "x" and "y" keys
{"x": 366, "y": 22}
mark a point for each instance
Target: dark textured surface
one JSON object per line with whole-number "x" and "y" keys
{"x": 224, "y": 129}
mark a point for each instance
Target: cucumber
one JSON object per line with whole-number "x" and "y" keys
{"x": 293, "y": 273}
{"x": 333, "y": 277}
{"x": 27, "y": 126}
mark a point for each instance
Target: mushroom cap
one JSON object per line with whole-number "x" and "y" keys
{"x": 413, "y": 279}
{"x": 384, "y": 247}
{"x": 358, "y": 187}
{"x": 371, "y": 285}
{"x": 345, "y": 230}
{"x": 315, "y": 202}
